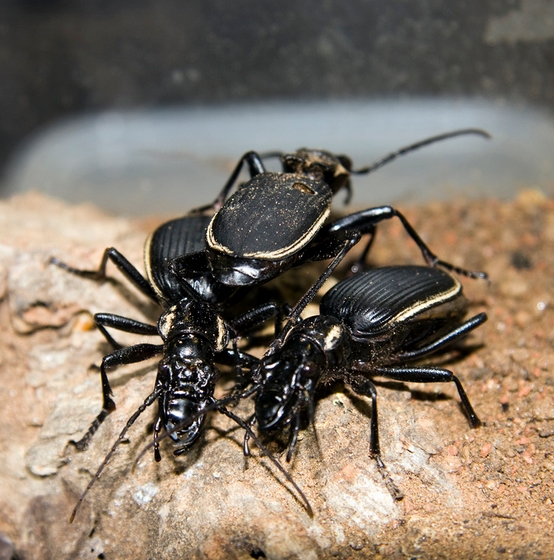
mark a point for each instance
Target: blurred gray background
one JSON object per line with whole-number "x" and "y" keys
{"x": 145, "y": 105}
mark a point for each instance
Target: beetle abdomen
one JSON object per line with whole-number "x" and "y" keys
{"x": 271, "y": 217}
{"x": 182, "y": 236}
{"x": 373, "y": 301}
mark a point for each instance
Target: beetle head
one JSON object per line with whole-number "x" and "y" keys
{"x": 188, "y": 377}
{"x": 288, "y": 381}
{"x": 320, "y": 165}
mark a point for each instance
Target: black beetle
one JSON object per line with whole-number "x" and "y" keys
{"x": 333, "y": 169}
{"x": 188, "y": 313}
{"x": 194, "y": 335}
{"x": 370, "y": 325}
{"x": 276, "y": 221}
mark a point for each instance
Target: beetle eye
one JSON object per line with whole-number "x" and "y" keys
{"x": 310, "y": 369}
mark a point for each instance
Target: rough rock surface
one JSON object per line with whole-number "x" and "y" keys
{"x": 468, "y": 493}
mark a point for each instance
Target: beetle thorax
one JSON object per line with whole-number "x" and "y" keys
{"x": 330, "y": 336}
{"x": 318, "y": 165}
{"x": 188, "y": 377}
{"x": 197, "y": 319}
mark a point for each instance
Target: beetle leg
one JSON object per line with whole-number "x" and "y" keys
{"x": 121, "y": 356}
{"x": 363, "y": 386}
{"x": 255, "y": 167}
{"x": 257, "y": 316}
{"x": 103, "y": 320}
{"x": 126, "y": 268}
{"x": 365, "y": 222}
{"x": 246, "y": 448}
{"x": 445, "y": 340}
{"x": 422, "y": 374}
{"x": 358, "y": 264}
{"x": 306, "y": 400}
{"x": 230, "y": 356}
{"x": 349, "y": 239}
{"x": 294, "y": 429}
{"x": 238, "y": 359}
{"x": 310, "y": 403}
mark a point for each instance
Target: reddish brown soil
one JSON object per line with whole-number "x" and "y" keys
{"x": 484, "y": 493}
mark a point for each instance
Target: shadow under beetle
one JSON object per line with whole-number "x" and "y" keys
{"x": 371, "y": 325}
{"x": 276, "y": 221}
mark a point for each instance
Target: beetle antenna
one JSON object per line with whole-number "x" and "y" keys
{"x": 311, "y": 416}
{"x": 412, "y": 147}
{"x": 219, "y": 405}
{"x": 311, "y": 293}
{"x": 266, "y": 452}
{"x": 147, "y": 402}
{"x": 269, "y": 155}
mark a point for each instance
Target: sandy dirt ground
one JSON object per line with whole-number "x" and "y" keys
{"x": 468, "y": 493}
